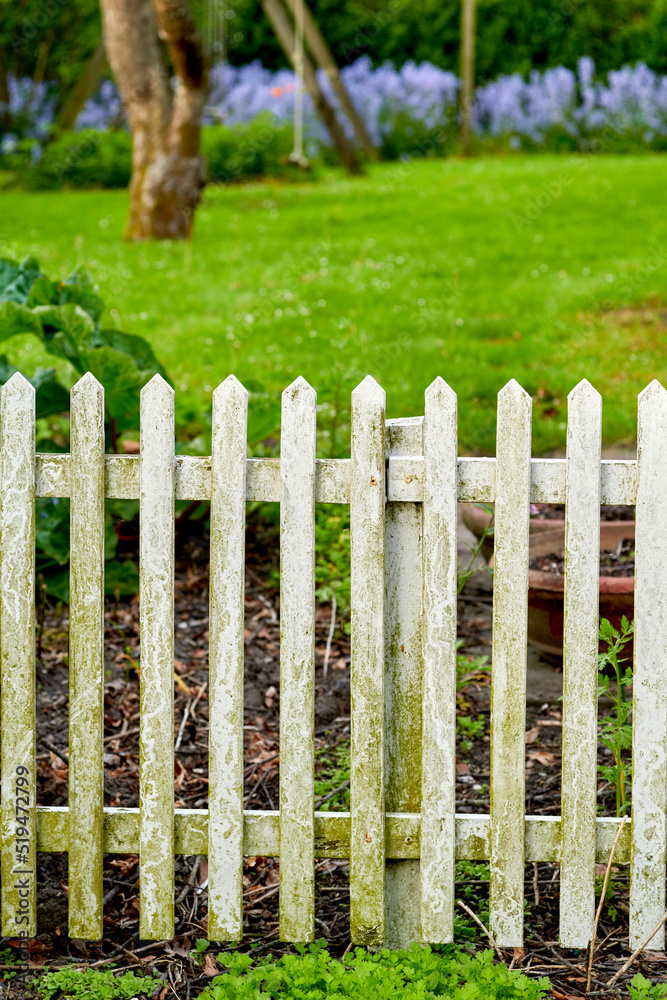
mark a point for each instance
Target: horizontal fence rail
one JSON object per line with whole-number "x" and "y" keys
{"x": 401, "y": 834}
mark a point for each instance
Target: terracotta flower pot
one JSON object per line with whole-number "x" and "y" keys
{"x": 477, "y": 520}
{"x": 545, "y": 590}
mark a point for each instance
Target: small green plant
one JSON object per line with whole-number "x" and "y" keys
{"x": 642, "y": 989}
{"x": 7, "y": 957}
{"x": 334, "y": 776}
{"x": 332, "y": 557}
{"x": 471, "y": 569}
{"x": 201, "y": 944}
{"x": 468, "y": 666}
{"x": 93, "y": 984}
{"x": 414, "y": 974}
{"x": 616, "y": 729}
{"x": 469, "y": 730}
{"x": 615, "y": 886}
{"x": 472, "y": 886}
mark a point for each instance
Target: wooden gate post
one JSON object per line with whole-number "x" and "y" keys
{"x": 403, "y": 684}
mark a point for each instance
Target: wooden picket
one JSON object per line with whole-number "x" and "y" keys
{"x": 402, "y": 836}
{"x": 156, "y": 723}
{"x": 649, "y": 735}
{"x": 86, "y": 659}
{"x": 580, "y": 675}
{"x": 403, "y": 658}
{"x": 367, "y": 528}
{"x": 17, "y": 658}
{"x": 508, "y": 677}
{"x": 225, "y": 661}
{"x": 439, "y": 699}
{"x": 297, "y": 663}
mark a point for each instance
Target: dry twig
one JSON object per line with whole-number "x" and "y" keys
{"x": 601, "y": 904}
{"x": 474, "y": 916}
{"x": 332, "y": 626}
{"x": 626, "y": 966}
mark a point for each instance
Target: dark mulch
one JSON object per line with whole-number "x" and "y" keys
{"x": 613, "y": 562}
{"x": 608, "y": 512}
{"x": 173, "y": 960}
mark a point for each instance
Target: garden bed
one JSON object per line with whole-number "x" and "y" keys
{"x": 185, "y": 973}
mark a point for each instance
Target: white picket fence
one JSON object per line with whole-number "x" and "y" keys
{"x": 402, "y": 835}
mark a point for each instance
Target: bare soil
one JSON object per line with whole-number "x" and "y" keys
{"x": 613, "y": 562}
{"x": 173, "y": 960}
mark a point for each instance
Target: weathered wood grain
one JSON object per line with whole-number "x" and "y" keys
{"x": 297, "y": 662}
{"x": 403, "y": 683}
{"x": 439, "y": 698}
{"x": 649, "y": 729}
{"x": 367, "y": 529}
{"x": 86, "y": 659}
{"x": 156, "y": 732}
{"x": 580, "y": 679}
{"x": 508, "y": 676}
{"x": 17, "y": 657}
{"x": 226, "y": 650}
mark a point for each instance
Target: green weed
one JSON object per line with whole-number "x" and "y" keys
{"x": 414, "y": 974}
{"x": 93, "y": 984}
{"x": 615, "y": 730}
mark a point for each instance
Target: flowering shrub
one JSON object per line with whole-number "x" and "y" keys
{"x": 408, "y": 111}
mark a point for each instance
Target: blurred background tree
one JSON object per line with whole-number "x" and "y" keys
{"x": 54, "y": 39}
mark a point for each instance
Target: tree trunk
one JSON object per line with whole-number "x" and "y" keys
{"x": 83, "y": 89}
{"x": 4, "y": 86}
{"x": 168, "y": 172}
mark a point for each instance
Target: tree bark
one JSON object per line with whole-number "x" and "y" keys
{"x": 322, "y": 53}
{"x": 280, "y": 23}
{"x": 4, "y": 86}
{"x": 83, "y": 89}
{"x": 168, "y": 172}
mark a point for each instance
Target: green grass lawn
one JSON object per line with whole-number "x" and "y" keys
{"x": 546, "y": 269}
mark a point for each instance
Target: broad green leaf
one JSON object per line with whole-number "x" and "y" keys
{"x": 51, "y": 397}
{"x": 122, "y": 381}
{"x": 135, "y": 347}
{"x": 66, "y": 331}
{"x": 16, "y": 319}
{"x": 16, "y": 280}
{"x": 52, "y": 528}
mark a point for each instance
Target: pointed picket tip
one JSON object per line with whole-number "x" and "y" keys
{"x": 299, "y": 388}
{"x": 158, "y": 387}
{"x": 514, "y": 391}
{"x": 583, "y": 390}
{"x": 87, "y": 385}
{"x": 440, "y": 388}
{"x": 653, "y": 391}
{"x": 231, "y": 388}
{"x": 18, "y": 385}
{"x": 369, "y": 391}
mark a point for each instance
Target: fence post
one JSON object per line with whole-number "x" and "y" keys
{"x": 438, "y": 835}
{"x": 403, "y": 683}
{"x": 225, "y": 661}
{"x": 86, "y": 665}
{"x": 297, "y": 663}
{"x": 156, "y": 724}
{"x": 508, "y": 669}
{"x": 367, "y": 504}
{"x": 580, "y": 678}
{"x": 649, "y": 729}
{"x": 17, "y": 652}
